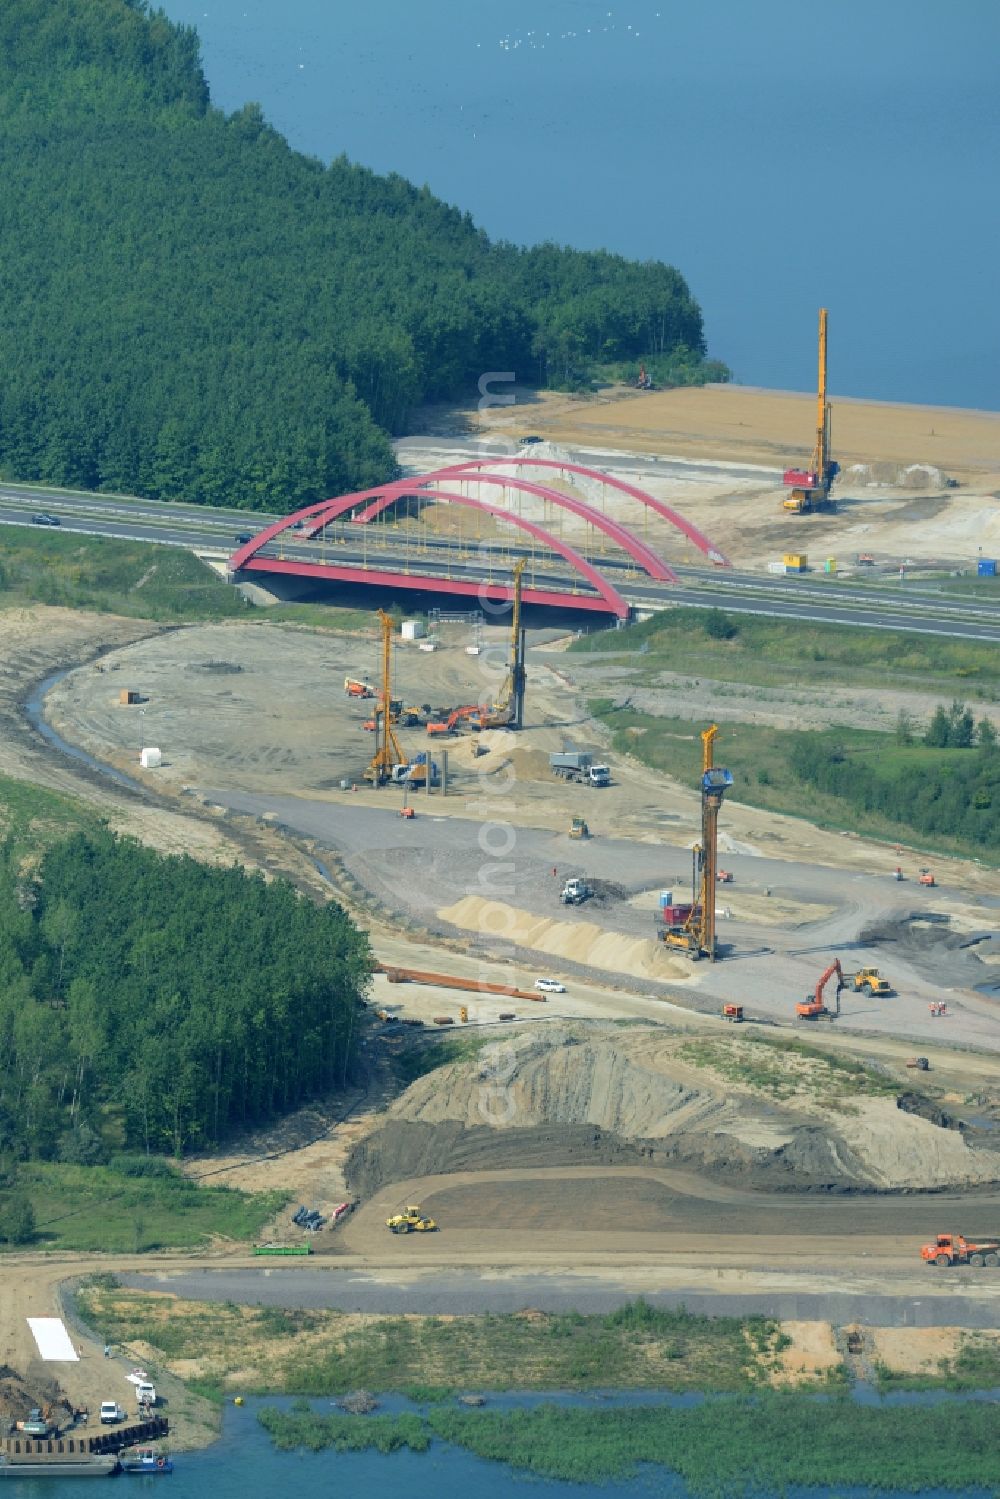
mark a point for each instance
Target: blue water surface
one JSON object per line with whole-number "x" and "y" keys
{"x": 784, "y": 156}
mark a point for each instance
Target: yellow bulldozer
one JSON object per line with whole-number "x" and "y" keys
{"x": 410, "y": 1221}
{"x": 578, "y": 828}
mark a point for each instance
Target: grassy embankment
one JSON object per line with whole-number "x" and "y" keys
{"x": 765, "y": 1443}
{"x": 751, "y": 651}
{"x": 884, "y": 785}
{"x": 136, "y": 1204}
{"x": 31, "y": 818}
{"x": 139, "y": 580}
{"x": 325, "y": 1352}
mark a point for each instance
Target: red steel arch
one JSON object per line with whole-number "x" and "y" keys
{"x": 330, "y": 510}
{"x": 700, "y": 540}
{"x": 636, "y": 549}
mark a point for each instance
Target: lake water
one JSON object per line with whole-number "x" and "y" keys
{"x": 783, "y": 157}
{"x": 243, "y": 1464}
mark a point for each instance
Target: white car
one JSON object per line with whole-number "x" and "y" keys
{"x": 550, "y": 986}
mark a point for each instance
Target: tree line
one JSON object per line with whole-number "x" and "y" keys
{"x": 150, "y": 1003}
{"x": 191, "y": 309}
{"x": 928, "y": 787}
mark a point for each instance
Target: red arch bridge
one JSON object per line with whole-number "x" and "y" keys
{"x": 585, "y": 537}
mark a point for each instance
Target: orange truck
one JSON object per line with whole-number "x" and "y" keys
{"x": 952, "y": 1249}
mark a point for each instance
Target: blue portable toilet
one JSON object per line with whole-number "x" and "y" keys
{"x": 987, "y": 568}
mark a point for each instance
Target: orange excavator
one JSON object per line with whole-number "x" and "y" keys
{"x": 815, "y": 1009}
{"x": 455, "y": 717}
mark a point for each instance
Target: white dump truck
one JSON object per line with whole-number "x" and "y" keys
{"x": 578, "y": 765}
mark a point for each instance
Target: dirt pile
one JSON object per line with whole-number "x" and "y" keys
{"x": 19, "y": 1395}
{"x": 578, "y": 941}
{"x": 732, "y": 1109}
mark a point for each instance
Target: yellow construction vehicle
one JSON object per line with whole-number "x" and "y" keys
{"x": 410, "y": 1221}
{"x": 872, "y": 980}
{"x": 578, "y": 828}
{"x": 811, "y": 487}
{"x": 696, "y": 934}
{"x": 387, "y": 751}
{"x": 508, "y": 710}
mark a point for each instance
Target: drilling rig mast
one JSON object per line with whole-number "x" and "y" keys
{"x": 811, "y": 488}
{"x": 696, "y": 935}
{"x": 508, "y": 710}
{"x": 387, "y": 751}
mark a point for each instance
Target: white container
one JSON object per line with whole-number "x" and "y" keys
{"x": 473, "y": 650}
{"x": 150, "y": 759}
{"x": 413, "y": 629}
{"x": 776, "y": 567}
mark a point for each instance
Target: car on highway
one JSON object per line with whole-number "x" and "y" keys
{"x": 44, "y": 519}
{"x": 532, "y": 438}
{"x": 550, "y": 986}
{"x": 242, "y": 537}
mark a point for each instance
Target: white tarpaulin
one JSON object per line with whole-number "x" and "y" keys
{"x": 53, "y": 1340}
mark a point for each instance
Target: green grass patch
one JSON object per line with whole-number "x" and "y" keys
{"x": 976, "y": 1366}
{"x": 952, "y": 808}
{"x": 784, "y": 1068}
{"x": 32, "y": 817}
{"x": 301, "y": 1427}
{"x": 112, "y": 576}
{"x": 767, "y": 1444}
{"x": 331, "y": 1353}
{"x": 428, "y": 1055}
{"x": 99, "y": 1208}
{"x": 769, "y": 652}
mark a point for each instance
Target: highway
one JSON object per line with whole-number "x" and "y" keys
{"x": 878, "y": 605}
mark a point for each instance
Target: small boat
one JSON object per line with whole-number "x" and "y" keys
{"x": 145, "y": 1460}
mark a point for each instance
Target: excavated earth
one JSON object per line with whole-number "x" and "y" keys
{"x": 734, "y": 1109}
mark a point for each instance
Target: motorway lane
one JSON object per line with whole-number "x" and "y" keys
{"x": 209, "y": 530}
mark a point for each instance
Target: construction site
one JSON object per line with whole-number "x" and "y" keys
{"x": 666, "y": 1020}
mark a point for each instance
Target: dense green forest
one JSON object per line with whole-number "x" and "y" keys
{"x": 190, "y": 308}
{"x": 151, "y": 1003}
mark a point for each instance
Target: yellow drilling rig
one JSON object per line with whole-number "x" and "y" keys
{"x": 387, "y": 751}
{"x": 508, "y": 710}
{"x": 811, "y": 487}
{"x": 692, "y": 929}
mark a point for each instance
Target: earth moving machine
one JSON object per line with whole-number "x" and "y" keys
{"x": 872, "y": 980}
{"x": 575, "y": 892}
{"x": 926, "y": 878}
{"x": 578, "y": 765}
{"x": 815, "y": 1009}
{"x": 953, "y": 1249}
{"x": 455, "y": 717}
{"x": 508, "y": 710}
{"x": 387, "y": 751}
{"x": 410, "y": 1221}
{"x": 355, "y": 688}
{"x": 696, "y": 936}
{"x": 811, "y": 487}
{"x": 578, "y": 828}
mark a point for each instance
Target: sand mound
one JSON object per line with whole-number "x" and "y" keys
{"x": 639, "y": 1092}
{"x": 898, "y": 476}
{"x": 580, "y": 941}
